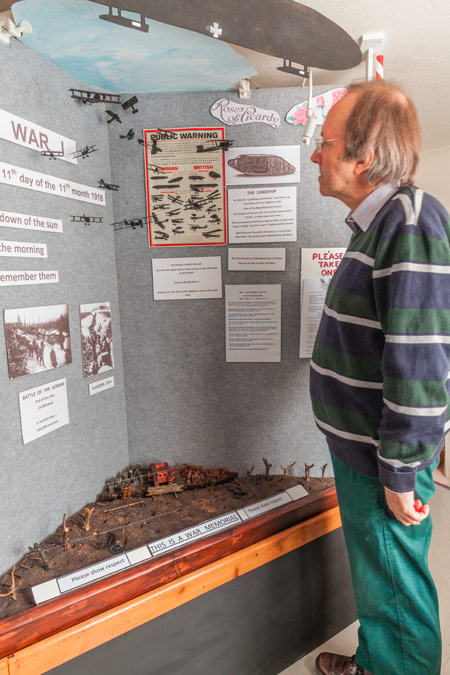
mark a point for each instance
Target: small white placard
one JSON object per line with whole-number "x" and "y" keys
{"x": 318, "y": 266}
{"x": 267, "y": 504}
{"x": 101, "y": 385}
{"x": 138, "y": 555}
{"x": 43, "y": 182}
{"x": 261, "y": 215}
{"x": 187, "y": 278}
{"x": 261, "y": 165}
{"x": 194, "y": 533}
{"x": 31, "y": 135}
{"x": 25, "y": 277}
{"x": 22, "y": 221}
{"x": 297, "y": 492}
{"x": 45, "y": 591}
{"x": 92, "y": 573}
{"x": 43, "y": 409}
{"x": 22, "y": 249}
{"x": 253, "y": 323}
{"x": 257, "y": 259}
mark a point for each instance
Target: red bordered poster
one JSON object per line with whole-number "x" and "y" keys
{"x": 185, "y": 184}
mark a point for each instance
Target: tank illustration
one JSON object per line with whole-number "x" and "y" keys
{"x": 261, "y": 165}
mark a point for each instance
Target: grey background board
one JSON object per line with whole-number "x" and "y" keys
{"x": 184, "y": 402}
{"x": 257, "y": 624}
{"x": 61, "y": 471}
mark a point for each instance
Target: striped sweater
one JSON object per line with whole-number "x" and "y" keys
{"x": 380, "y": 366}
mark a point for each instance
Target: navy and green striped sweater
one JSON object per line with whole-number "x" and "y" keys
{"x": 380, "y": 367}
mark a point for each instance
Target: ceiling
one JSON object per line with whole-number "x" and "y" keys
{"x": 416, "y": 51}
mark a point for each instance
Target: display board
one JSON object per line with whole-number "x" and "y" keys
{"x": 58, "y": 441}
{"x": 184, "y": 402}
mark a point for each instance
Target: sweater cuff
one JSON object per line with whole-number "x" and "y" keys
{"x": 397, "y": 480}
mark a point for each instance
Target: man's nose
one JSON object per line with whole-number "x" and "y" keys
{"x": 315, "y": 156}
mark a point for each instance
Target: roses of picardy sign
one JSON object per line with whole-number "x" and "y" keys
{"x": 233, "y": 113}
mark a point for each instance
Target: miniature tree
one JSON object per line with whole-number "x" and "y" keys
{"x": 66, "y": 530}
{"x": 268, "y": 467}
{"x": 13, "y": 586}
{"x": 285, "y": 469}
{"x": 308, "y": 467}
{"x": 87, "y": 513}
{"x": 250, "y": 470}
{"x": 323, "y": 471}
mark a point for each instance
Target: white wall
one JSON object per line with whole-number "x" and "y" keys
{"x": 433, "y": 175}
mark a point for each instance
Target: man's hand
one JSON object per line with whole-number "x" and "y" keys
{"x": 405, "y": 508}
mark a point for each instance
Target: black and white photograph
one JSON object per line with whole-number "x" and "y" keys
{"x": 37, "y": 339}
{"x": 96, "y": 338}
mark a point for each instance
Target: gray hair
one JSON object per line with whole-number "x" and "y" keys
{"x": 384, "y": 120}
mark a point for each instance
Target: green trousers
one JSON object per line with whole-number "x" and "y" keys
{"x": 396, "y": 598}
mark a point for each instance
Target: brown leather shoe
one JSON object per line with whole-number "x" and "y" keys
{"x": 336, "y": 664}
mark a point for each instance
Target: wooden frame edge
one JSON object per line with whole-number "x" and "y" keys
{"x": 51, "y": 652}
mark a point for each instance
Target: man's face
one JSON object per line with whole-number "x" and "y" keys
{"x": 337, "y": 176}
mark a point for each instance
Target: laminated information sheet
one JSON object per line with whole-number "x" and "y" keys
{"x": 253, "y": 322}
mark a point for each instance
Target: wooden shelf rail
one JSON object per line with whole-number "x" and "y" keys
{"x": 46, "y": 636}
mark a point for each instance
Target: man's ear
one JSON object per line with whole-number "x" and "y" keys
{"x": 364, "y": 164}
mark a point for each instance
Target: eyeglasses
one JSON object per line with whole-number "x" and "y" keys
{"x": 320, "y": 142}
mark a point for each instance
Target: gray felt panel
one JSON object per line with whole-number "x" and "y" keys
{"x": 184, "y": 402}
{"x": 62, "y": 471}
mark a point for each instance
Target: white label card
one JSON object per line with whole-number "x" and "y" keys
{"x": 253, "y": 323}
{"x": 257, "y": 259}
{"x": 187, "y": 278}
{"x": 25, "y": 277}
{"x": 22, "y": 221}
{"x": 92, "y": 573}
{"x": 193, "y": 533}
{"x": 267, "y": 504}
{"x": 259, "y": 215}
{"x": 43, "y": 409}
{"x": 43, "y": 182}
{"x": 31, "y": 135}
{"x": 22, "y": 249}
{"x": 101, "y": 385}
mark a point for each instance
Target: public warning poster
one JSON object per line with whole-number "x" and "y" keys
{"x": 185, "y": 183}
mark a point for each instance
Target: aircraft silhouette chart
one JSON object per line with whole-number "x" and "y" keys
{"x": 285, "y": 29}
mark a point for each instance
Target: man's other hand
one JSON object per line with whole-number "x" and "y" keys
{"x": 406, "y": 508}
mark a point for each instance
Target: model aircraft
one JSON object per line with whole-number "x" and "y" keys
{"x": 316, "y": 41}
{"x": 87, "y": 220}
{"x": 84, "y": 152}
{"x": 52, "y": 154}
{"x": 94, "y": 96}
{"x": 129, "y": 135}
{"x": 107, "y": 186}
{"x": 113, "y": 117}
{"x": 133, "y": 223}
{"x": 215, "y": 145}
{"x": 130, "y": 104}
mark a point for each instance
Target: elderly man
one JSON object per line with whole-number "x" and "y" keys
{"x": 379, "y": 376}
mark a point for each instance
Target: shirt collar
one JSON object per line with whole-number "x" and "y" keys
{"x": 363, "y": 215}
